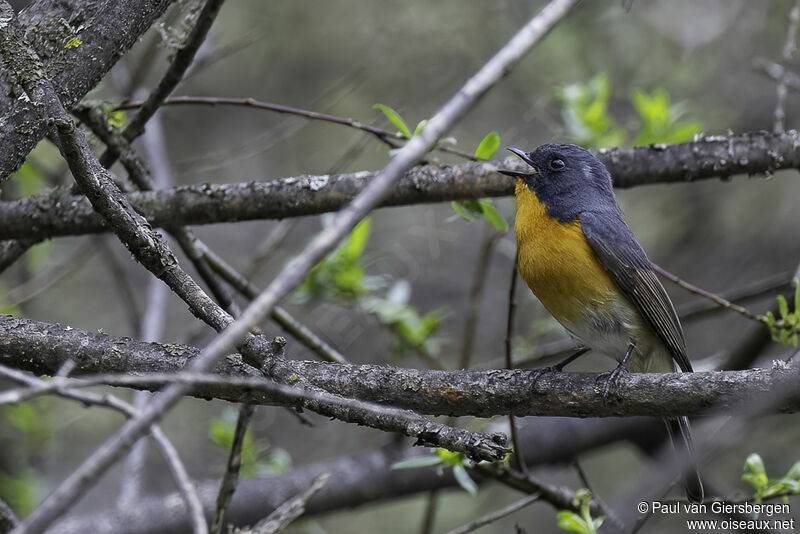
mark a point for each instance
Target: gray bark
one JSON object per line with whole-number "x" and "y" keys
{"x": 60, "y": 213}
{"x": 107, "y": 30}
{"x": 362, "y": 478}
{"x": 43, "y": 348}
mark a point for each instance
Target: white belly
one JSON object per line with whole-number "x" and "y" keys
{"x": 610, "y": 332}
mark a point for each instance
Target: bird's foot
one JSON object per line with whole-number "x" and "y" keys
{"x": 611, "y": 379}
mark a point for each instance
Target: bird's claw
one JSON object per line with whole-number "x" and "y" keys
{"x": 610, "y": 379}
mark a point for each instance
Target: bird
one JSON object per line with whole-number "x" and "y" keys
{"x": 579, "y": 257}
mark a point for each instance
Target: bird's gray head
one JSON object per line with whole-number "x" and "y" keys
{"x": 568, "y": 180}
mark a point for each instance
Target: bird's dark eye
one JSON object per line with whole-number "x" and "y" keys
{"x": 557, "y": 164}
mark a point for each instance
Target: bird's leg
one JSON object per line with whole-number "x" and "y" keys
{"x": 614, "y": 376}
{"x": 559, "y": 367}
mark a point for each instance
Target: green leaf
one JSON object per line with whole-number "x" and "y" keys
{"x": 357, "y": 241}
{"x": 781, "y": 486}
{"x": 572, "y": 522}
{"x": 660, "y": 119}
{"x": 395, "y": 119}
{"x": 796, "y": 296}
{"x": 340, "y": 275}
{"x": 420, "y": 126}
{"x": 783, "y": 306}
{"x": 584, "y": 109}
{"x": 755, "y": 473}
{"x": 469, "y": 210}
{"x": 221, "y": 433}
{"x": 418, "y": 461}
{"x": 794, "y": 472}
{"x": 450, "y": 457}
{"x": 464, "y": 480}
{"x": 492, "y": 215}
{"x": 754, "y": 464}
{"x": 23, "y": 491}
{"x": 488, "y": 146}
{"x": 73, "y": 42}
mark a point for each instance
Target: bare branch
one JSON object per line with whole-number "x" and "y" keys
{"x": 392, "y": 140}
{"x": 174, "y": 462}
{"x": 180, "y": 64}
{"x": 716, "y": 299}
{"x": 475, "y": 445}
{"x": 786, "y": 55}
{"x": 286, "y": 321}
{"x": 284, "y": 514}
{"x": 364, "y": 477}
{"x": 27, "y": 70}
{"x": 42, "y": 348}
{"x": 231, "y": 477}
{"x": 60, "y": 213}
{"x": 494, "y": 516}
{"x": 108, "y": 30}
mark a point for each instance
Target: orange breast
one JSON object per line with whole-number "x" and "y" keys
{"x": 556, "y": 261}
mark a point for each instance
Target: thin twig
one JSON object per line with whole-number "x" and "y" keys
{"x": 203, "y": 258}
{"x": 512, "y": 306}
{"x": 173, "y": 76}
{"x": 719, "y": 301}
{"x": 607, "y": 511}
{"x": 177, "y": 469}
{"x": 269, "y": 245}
{"x": 90, "y": 470}
{"x": 392, "y": 140}
{"x": 61, "y": 213}
{"x": 287, "y": 512}
{"x": 429, "y": 516}
{"x": 428, "y": 433}
{"x": 49, "y": 277}
{"x": 488, "y": 242}
{"x": 562, "y": 498}
{"x": 788, "y": 50}
{"x": 152, "y": 324}
{"x": 741, "y": 293}
{"x": 494, "y": 516}
{"x": 122, "y": 283}
{"x": 231, "y": 477}
{"x": 291, "y": 325}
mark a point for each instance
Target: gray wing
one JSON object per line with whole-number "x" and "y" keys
{"x": 626, "y": 262}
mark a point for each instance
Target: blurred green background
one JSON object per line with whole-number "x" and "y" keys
{"x": 603, "y": 77}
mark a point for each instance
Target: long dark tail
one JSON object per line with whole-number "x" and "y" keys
{"x": 681, "y": 438}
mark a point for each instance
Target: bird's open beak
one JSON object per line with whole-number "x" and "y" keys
{"x": 524, "y": 157}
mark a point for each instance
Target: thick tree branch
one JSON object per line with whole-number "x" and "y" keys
{"x": 107, "y": 29}
{"x": 43, "y": 348}
{"x": 60, "y": 213}
{"x": 27, "y": 70}
{"x": 77, "y": 483}
{"x": 364, "y": 477}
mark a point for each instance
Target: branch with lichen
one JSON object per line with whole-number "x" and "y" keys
{"x": 42, "y": 348}
{"x": 59, "y": 213}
